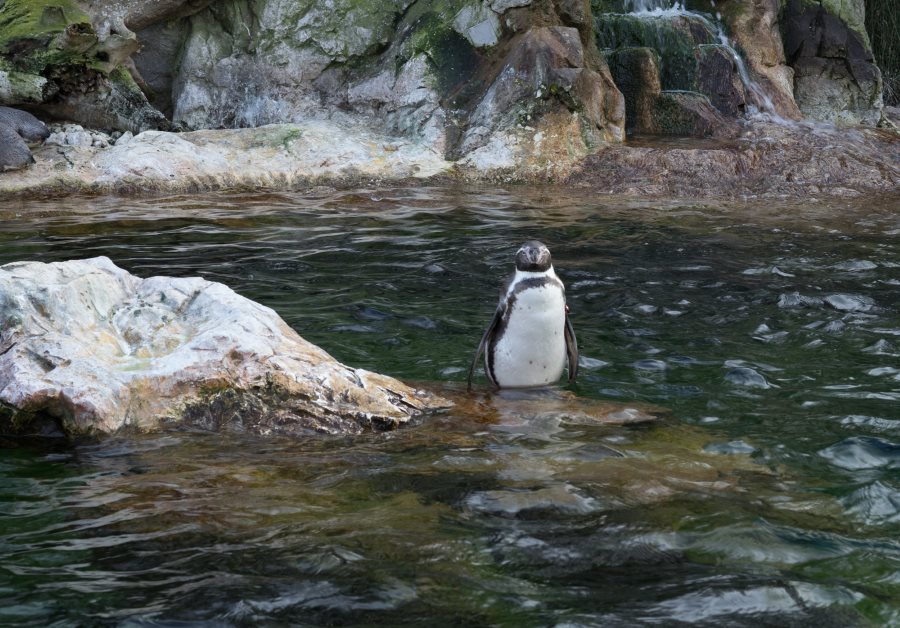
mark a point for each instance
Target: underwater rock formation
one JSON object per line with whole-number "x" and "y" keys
{"x": 86, "y": 347}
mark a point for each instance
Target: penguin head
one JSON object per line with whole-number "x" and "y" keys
{"x": 533, "y": 256}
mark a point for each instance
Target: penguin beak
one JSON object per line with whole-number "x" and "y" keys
{"x": 539, "y": 256}
{"x": 532, "y": 257}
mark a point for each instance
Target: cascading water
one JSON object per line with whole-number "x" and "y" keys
{"x": 764, "y": 102}
{"x": 656, "y": 7}
{"x": 681, "y": 37}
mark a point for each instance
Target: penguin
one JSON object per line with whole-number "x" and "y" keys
{"x": 530, "y": 338}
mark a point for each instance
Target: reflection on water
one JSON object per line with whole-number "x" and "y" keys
{"x": 768, "y": 493}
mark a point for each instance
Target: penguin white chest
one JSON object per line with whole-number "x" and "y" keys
{"x": 531, "y": 351}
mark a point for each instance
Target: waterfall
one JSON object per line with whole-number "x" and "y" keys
{"x": 764, "y": 102}
{"x": 657, "y": 7}
{"x": 757, "y": 100}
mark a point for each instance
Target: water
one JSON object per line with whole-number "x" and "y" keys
{"x": 768, "y": 494}
{"x": 654, "y": 7}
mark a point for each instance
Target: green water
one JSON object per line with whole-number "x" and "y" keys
{"x": 768, "y": 495}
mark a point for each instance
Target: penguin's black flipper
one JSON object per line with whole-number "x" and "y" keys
{"x": 485, "y": 339}
{"x": 571, "y": 349}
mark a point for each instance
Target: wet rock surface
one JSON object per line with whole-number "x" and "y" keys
{"x": 754, "y": 26}
{"x": 802, "y": 160}
{"x": 88, "y": 348}
{"x": 275, "y": 156}
{"x": 798, "y": 160}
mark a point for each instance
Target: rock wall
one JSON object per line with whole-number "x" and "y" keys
{"x": 835, "y": 76}
{"x": 493, "y": 83}
{"x": 462, "y": 75}
{"x": 754, "y": 27}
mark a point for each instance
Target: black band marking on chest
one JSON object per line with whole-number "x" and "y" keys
{"x": 521, "y": 286}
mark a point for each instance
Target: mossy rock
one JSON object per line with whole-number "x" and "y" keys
{"x": 685, "y": 113}
{"x": 21, "y": 87}
{"x": 636, "y": 74}
{"x": 453, "y": 59}
{"x": 674, "y": 39}
{"x": 36, "y": 34}
{"x": 38, "y": 21}
{"x": 51, "y": 57}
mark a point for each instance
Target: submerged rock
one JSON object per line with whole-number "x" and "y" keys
{"x": 850, "y": 302}
{"x": 88, "y": 347}
{"x": 747, "y": 378}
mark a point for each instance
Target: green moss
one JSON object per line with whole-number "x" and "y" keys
{"x": 122, "y": 78}
{"x": 49, "y": 38}
{"x": 38, "y": 20}
{"x": 453, "y": 59}
{"x": 671, "y": 117}
{"x": 23, "y": 87}
{"x": 675, "y": 41}
{"x": 289, "y": 137}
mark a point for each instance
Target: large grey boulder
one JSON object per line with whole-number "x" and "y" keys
{"x": 26, "y": 125}
{"x": 93, "y": 349}
{"x": 14, "y": 152}
{"x": 17, "y": 128}
{"x": 835, "y": 76}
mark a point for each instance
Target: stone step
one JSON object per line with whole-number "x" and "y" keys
{"x": 674, "y": 38}
{"x": 710, "y": 71}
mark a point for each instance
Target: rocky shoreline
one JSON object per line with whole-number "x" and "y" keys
{"x": 741, "y": 98}
{"x": 721, "y": 99}
{"x": 767, "y": 160}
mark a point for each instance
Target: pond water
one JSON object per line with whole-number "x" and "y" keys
{"x": 768, "y": 495}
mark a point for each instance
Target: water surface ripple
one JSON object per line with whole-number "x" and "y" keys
{"x": 769, "y": 496}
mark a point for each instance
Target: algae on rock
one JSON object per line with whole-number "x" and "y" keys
{"x": 52, "y": 58}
